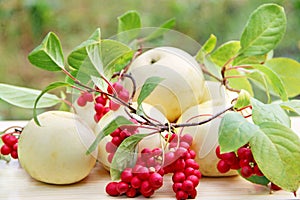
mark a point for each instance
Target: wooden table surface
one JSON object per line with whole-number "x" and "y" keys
{"x": 15, "y": 184}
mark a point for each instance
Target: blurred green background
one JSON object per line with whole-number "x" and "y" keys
{"x": 23, "y": 24}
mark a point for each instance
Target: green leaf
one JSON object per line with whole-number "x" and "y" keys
{"x": 225, "y": 52}
{"x": 235, "y": 131}
{"x": 239, "y": 83}
{"x": 161, "y": 30}
{"x": 108, "y": 129}
{"x": 243, "y": 100}
{"x": 260, "y": 80}
{"x": 293, "y": 105}
{"x": 48, "y": 55}
{"x": 129, "y": 25}
{"x": 77, "y": 57}
{"x": 274, "y": 80}
{"x": 248, "y": 60}
{"x": 261, "y": 180}
{"x": 52, "y": 86}
{"x": 25, "y": 97}
{"x": 268, "y": 113}
{"x": 93, "y": 52}
{"x": 276, "y": 150}
{"x": 149, "y": 85}
{"x": 264, "y": 30}
{"x": 288, "y": 71}
{"x": 207, "y": 48}
{"x": 125, "y": 155}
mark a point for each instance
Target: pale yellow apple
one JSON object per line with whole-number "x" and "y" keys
{"x": 183, "y": 80}
{"x": 206, "y": 135}
{"x": 86, "y": 113}
{"x": 150, "y": 142}
{"x": 55, "y": 152}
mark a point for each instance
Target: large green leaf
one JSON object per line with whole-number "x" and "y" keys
{"x": 125, "y": 155}
{"x": 129, "y": 25}
{"x": 224, "y": 52}
{"x": 274, "y": 80}
{"x": 235, "y": 131}
{"x": 258, "y": 78}
{"x": 289, "y": 72}
{"x": 268, "y": 113}
{"x": 108, "y": 129}
{"x": 276, "y": 150}
{"x": 48, "y": 55}
{"x": 25, "y": 97}
{"x": 161, "y": 30}
{"x": 264, "y": 30}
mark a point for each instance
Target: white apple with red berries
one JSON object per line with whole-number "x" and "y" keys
{"x": 55, "y": 152}
{"x": 182, "y": 85}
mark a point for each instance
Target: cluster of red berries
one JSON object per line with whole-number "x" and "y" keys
{"x": 10, "y": 146}
{"x": 241, "y": 160}
{"x": 180, "y": 161}
{"x": 117, "y": 138}
{"x": 122, "y": 94}
{"x": 100, "y": 107}
{"x": 147, "y": 174}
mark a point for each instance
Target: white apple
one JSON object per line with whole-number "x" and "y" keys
{"x": 206, "y": 135}
{"x": 55, "y": 152}
{"x": 183, "y": 80}
{"x": 150, "y": 142}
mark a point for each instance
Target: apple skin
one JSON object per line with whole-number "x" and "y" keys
{"x": 86, "y": 113}
{"x": 206, "y": 135}
{"x": 183, "y": 84}
{"x": 55, "y": 152}
{"x": 150, "y": 141}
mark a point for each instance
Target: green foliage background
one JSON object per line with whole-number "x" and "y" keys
{"x": 23, "y": 24}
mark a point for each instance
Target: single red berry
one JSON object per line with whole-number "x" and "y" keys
{"x": 244, "y": 162}
{"x": 14, "y": 154}
{"x": 179, "y": 164}
{"x": 197, "y": 173}
{"x": 169, "y": 158}
{"x": 184, "y": 145}
{"x": 99, "y": 108}
{"x": 126, "y": 175}
{"x": 151, "y": 162}
{"x": 193, "y": 154}
{"x": 110, "y": 147}
{"x": 189, "y": 171}
{"x": 101, "y": 100}
{"x": 246, "y": 171}
{"x": 178, "y": 177}
{"x": 187, "y": 186}
{"x": 194, "y": 179}
{"x": 193, "y": 194}
{"x": 131, "y": 193}
{"x": 176, "y": 187}
{"x": 116, "y": 133}
{"x": 191, "y": 163}
{"x": 245, "y": 153}
{"x": 236, "y": 164}
{"x": 105, "y": 110}
{"x": 97, "y": 117}
{"x": 156, "y": 151}
{"x": 5, "y": 149}
{"x": 15, "y": 147}
{"x": 222, "y": 166}
{"x": 145, "y": 187}
{"x": 180, "y": 151}
{"x": 4, "y": 138}
{"x": 124, "y": 134}
{"x": 113, "y": 106}
{"x": 88, "y": 96}
{"x": 122, "y": 187}
{"x": 156, "y": 180}
{"x": 124, "y": 95}
{"x": 118, "y": 86}
{"x": 111, "y": 189}
{"x": 110, "y": 157}
{"x": 147, "y": 194}
{"x": 187, "y": 138}
{"x": 135, "y": 182}
{"x": 181, "y": 195}
{"x": 116, "y": 141}
{"x": 229, "y": 157}
{"x": 81, "y": 101}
